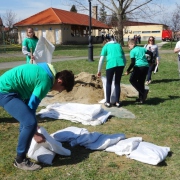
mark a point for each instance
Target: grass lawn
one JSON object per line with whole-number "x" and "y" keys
{"x": 157, "y": 121}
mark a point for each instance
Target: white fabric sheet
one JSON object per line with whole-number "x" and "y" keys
{"x": 125, "y": 146}
{"x": 45, "y": 152}
{"x": 149, "y": 153}
{"x": 43, "y": 51}
{"x": 76, "y": 112}
{"x": 113, "y": 95}
{"x": 133, "y": 147}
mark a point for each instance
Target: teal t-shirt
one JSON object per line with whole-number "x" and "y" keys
{"x": 114, "y": 54}
{"x": 30, "y": 43}
{"x": 140, "y": 58}
{"x": 26, "y": 80}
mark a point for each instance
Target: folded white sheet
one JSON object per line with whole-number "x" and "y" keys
{"x": 76, "y": 112}
{"x": 149, "y": 153}
{"x": 125, "y": 146}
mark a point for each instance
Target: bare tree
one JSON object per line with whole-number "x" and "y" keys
{"x": 9, "y": 18}
{"x": 125, "y": 9}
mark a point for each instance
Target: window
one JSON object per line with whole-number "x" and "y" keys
{"x": 145, "y": 32}
{"x": 155, "y": 31}
{"x": 136, "y": 32}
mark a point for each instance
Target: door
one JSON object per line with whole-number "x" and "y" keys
{"x": 57, "y": 38}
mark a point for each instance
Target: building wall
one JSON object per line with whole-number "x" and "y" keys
{"x": 58, "y": 34}
{"x": 144, "y": 31}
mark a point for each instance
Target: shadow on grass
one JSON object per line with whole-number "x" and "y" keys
{"x": 163, "y": 163}
{"x": 151, "y": 101}
{"x": 78, "y": 154}
{"x": 164, "y": 80}
{"x": 8, "y": 120}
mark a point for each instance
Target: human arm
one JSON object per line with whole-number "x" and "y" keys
{"x": 130, "y": 66}
{"x": 101, "y": 61}
{"x": 34, "y": 102}
{"x": 176, "y": 50}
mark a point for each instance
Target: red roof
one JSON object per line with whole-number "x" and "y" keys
{"x": 58, "y": 16}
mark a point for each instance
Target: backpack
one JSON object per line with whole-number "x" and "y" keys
{"x": 149, "y": 59}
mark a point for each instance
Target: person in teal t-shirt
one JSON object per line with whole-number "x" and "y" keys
{"x": 140, "y": 67}
{"x": 116, "y": 61}
{"x": 21, "y": 90}
{"x": 29, "y": 45}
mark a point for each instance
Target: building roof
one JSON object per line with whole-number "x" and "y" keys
{"x": 136, "y": 23}
{"x": 58, "y": 16}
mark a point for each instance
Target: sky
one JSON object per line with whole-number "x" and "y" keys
{"x": 23, "y": 9}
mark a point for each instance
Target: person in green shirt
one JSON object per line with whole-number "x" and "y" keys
{"x": 140, "y": 67}
{"x": 29, "y": 45}
{"x": 116, "y": 61}
{"x": 21, "y": 90}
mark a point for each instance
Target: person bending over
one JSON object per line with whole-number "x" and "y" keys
{"x": 21, "y": 90}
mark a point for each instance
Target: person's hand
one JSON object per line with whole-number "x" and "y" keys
{"x": 99, "y": 74}
{"x": 157, "y": 62}
{"x": 39, "y": 138}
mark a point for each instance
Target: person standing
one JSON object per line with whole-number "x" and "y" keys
{"x": 116, "y": 61}
{"x": 140, "y": 67}
{"x": 21, "y": 90}
{"x": 151, "y": 46}
{"x": 177, "y": 50}
{"x": 29, "y": 45}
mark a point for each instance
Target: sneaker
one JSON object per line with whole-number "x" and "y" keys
{"x": 139, "y": 101}
{"x": 117, "y": 104}
{"x": 108, "y": 105}
{"x": 27, "y": 165}
{"x": 150, "y": 81}
{"x": 147, "y": 83}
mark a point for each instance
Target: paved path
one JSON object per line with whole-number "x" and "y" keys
{"x": 7, "y": 65}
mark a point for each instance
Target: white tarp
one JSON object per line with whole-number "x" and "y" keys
{"x": 43, "y": 51}
{"x": 76, "y": 112}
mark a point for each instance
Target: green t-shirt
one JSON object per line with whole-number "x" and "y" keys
{"x": 114, "y": 54}
{"x": 26, "y": 80}
{"x": 30, "y": 44}
{"x": 140, "y": 58}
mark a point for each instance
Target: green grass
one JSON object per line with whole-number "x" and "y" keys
{"x": 156, "y": 121}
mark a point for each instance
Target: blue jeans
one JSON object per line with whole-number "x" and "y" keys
{"x": 151, "y": 68}
{"x": 109, "y": 76}
{"x": 26, "y": 117}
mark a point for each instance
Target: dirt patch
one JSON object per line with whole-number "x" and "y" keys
{"x": 88, "y": 89}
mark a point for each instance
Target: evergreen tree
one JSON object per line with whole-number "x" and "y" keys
{"x": 73, "y": 9}
{"x": 102, "y": 14}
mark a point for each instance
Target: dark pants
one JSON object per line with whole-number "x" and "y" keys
{"x": 117, "y": 71}
{"x": 26, "y": 117}
{"x": 137, "y": 79}
{"x": 151, "y": 68}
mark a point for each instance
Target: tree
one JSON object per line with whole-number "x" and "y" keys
{"x": 73, "y": 9}
{"x": 125, "y": 8}
{"x": 122, "y": 8}
{"x": 102, "y": 14}
{"x": 9, "y": 18}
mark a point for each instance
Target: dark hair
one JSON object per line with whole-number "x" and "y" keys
{"x": 67, "y": 78}
{"x": 151, "y": 37}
